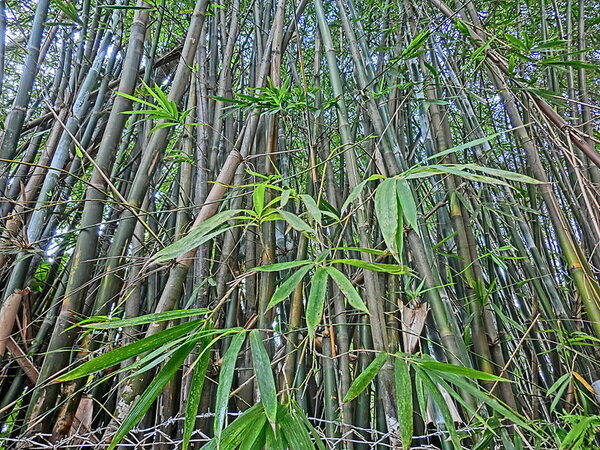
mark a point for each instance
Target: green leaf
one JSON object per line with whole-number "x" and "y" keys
{"x": 154, "y": 389}
{"x": 311, "y": 207}
{"x": 386, "y": 210}
{"x": 513, "y": 176}
{"x": 225, "y": 380}
{"x": 148, "y": 318}
{"x": 281, "y": 266}
{"x": 137, "y": 100}
{"x": 361, "y": 249}
{"x": 575, "y": 64}
{"x": 316, "y": 300}
{"x": 415, "y": 44}
{"x": 254, "y": 438}
{"x": 274, "y": 441}
{"x": 120, "y": 354}
{"x": 486, "y": 398}
{"x": 460, "y": 25}
{"x": 347, "y": 289}
{"x": 576, "y": 435}
{"x": 393, "y": 269}
{"x": 470, "y": 144}
{"x": 258, "y": 198}
{"x": 195, "y": 237}
{"x": 404, "y": 401}
{"x": 242, "y": 427}
{"x": 365, "y": 378}
{"x": 264, "y": 376}
{"x": 357, "y": 190}
{"x": 149, "y": 8}
{"x": 293, "y": 429}
{"x": 193, "y": 399}
{"x": 407, "y": 204}
{"x": 440, "y": 401}
{"x": 453, "y": 169}
{"x": 294, "y": 221}
{"x": 458, "y": 370}
{"x": 284, "y": 198}
{"x": 301, "y": 417}
{"x": 421, "y": 395}
{"x": 288, "y": 286}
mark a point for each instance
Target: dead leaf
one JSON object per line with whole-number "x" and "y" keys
{"x": 22, "y": 359}
{"x": 413, "y": 322}
{"x": 8, "y": 316}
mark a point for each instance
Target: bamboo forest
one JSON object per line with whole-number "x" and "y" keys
{"x": 300, "y": 224}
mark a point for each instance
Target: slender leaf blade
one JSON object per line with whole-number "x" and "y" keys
{"x": 365, "y": 378}
{"x": 294, "y": 221}
{"x": 194, "y": 237}
{"x": 120, "y": 354}
{"x": 154, "y": 389}
{"x": 459, "y": 370}
{"x": 145, "y": 319}
{"x": 264, "y": 376}
{"x": 407, "y": 204}
{"x": 311, "y": 207}
{"x": 281, "y": 266}
{"x": 288, "y": 286}
{"x": 193, "y": 400}
{"x": 404, "y": 401}
{"x": 225, "y": 380}
{"x": 386, "y": 210}
{"x": 316, "y": 300}
{"x": 347, "y": 289}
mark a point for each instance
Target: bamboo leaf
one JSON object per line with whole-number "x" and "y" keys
{"x": 456, "y": 170}
{"x": 147, "y": 398}
{"x": 513, "y": 176}
{"x": 440, "y": 401}
{"x": 470, "y": 144}
{"x": 311, "y": 207}
{"x": 258, "y": 198}
{"x": 394, "y": 269}
{"x": 294, "y": 431}
{"x": 576, "y": 435}
{"x": 137, "y": 100}
{"x": 294, "y": 221}
{"x": 281, "y": 266}
{"x": 564, "y": 378}
{"x": 264, "y": 376}
{"x": 235, "y": 434}
{"x": 575, "y": 64}
{"x": 301, "y": 417}
{"x": 225, "y": 380}
{"x": 288, "y": 286}
{"x": 347, "y": 289}
{"x": 274, "y": 441}
{"x": 412, "y": 50}
{"x": 361, "y": 249}
{"x": 254, "y": 438}
{"x": 386, "y": 209}
{"x": 365, "y": 378}
{"x": 459, "y": 370}
{"x": 120, "y": 354}
{"x": 195, "y": 237}
{"x": 145, "y": 319}
{"x": 407, "y": 204}
{"x": 489, "y": 400}
{"x": 404, "y": 401}
{"x": 194, "y": 394}
{"x": 357, "y": 190}
{"x": 316, "y": 300}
